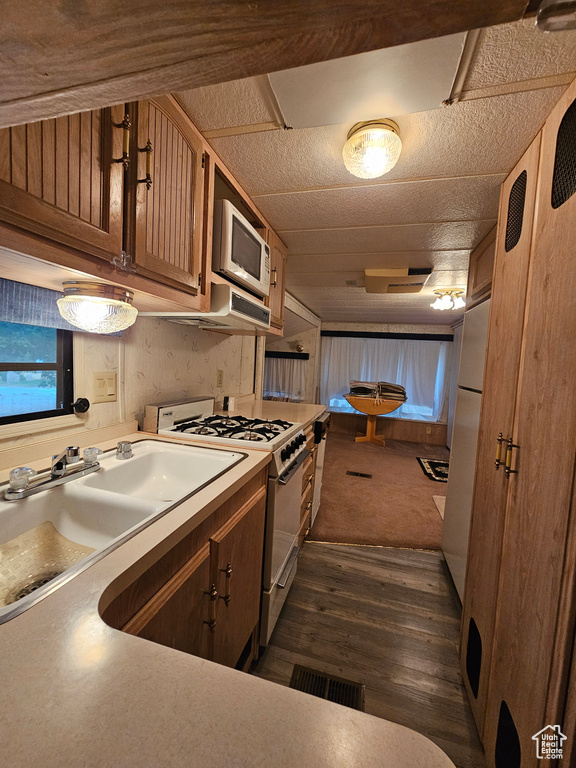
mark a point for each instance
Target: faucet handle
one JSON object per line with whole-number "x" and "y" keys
{"x": 124, "y": 450}
{"x": 19, "y": 478}
{"x": 72, "y": 454}
{"x": 90, "y": 455}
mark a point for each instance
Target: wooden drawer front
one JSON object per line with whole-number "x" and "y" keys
{"x": 310, "y": 439}
{"x": 57, "y": 179}
{"x": 176, "y": 616}
{"x": 305, "y": 511}
{"x": 306, "y": 503}
{"x": 308, "y": 472}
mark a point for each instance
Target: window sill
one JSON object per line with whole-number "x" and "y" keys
{"x": 8, "y": 431}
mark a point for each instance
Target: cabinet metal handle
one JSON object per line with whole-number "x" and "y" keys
{"x": 507, "y": 470}
{"x": 212, "y": 594}
{"x": 228, "y": 571}
{"x": 274, "y": 281}
{"x": 308, "y": 506}
{"x": 499, "y": 440}
{"x": 148, "y": 178}
{"x": 309, "y": 478}
{"x": 125, "y": 125}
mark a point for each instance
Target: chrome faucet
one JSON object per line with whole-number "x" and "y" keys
{"x": 24, "y": 481}
{"x": 60, "y": 462}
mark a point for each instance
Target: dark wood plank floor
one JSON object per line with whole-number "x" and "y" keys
{"x": 388, "y": 618}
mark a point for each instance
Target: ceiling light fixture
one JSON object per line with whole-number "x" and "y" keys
{"x": 448, "y": 300}
{"x": 97, "y": 307}
{"x": 372, "y": 148}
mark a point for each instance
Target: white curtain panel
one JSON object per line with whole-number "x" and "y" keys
{"x": 284, "y": 377}
{"x": 422, "y": 367}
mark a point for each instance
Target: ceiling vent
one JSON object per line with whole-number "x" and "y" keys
{"x": 405, "y": 280}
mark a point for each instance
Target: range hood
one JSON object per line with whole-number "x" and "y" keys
{"x": 230, "y": 308}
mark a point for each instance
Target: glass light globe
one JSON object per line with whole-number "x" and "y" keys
{"x": 83, "y": 307}
{"x": 446, "y": 301}
{"x": 372, "y": 149}
{"x": 459, "y": 302}
{"x": 437, "y": 304}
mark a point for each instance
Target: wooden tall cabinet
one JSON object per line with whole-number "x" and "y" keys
{"x": 59, "y": 180}
{"x": 523, "y": 531}
{"x": 497, "y": 416}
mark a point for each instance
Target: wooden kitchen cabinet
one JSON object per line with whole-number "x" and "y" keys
{"x": 64, "y": 181}
{"x": 178, "y": 615}
{"x": 480, "y": 269}
{"x": 236, "y": 552}
{"x": 497, "y": 416}
{"x": 522, "y": 665}
{"x": 166, "y": 211}
{"x": 275, "y": 300}
{"x": 59, "y": 180}
{"x": 203, "y": 596}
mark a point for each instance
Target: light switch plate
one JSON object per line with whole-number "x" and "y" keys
{"x": 104, "y": 387}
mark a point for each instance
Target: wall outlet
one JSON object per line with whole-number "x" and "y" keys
{"x": 219, "y": 378}
{"x": 104, "y": 388}
{"x": 428, "y": 430}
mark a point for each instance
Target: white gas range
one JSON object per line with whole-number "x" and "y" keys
{"x": 195, "y": 420}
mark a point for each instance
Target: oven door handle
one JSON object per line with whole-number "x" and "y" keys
{"x": 283, "y": 580}
{"x": 300, "y": 459}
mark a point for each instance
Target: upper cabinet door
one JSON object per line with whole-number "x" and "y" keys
{"x": 278, "y": 253}
{"x": 58, "y": 179}
{"x": 167, "y": 241}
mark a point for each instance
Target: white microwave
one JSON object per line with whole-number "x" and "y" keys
{"x": 238, "y": 251}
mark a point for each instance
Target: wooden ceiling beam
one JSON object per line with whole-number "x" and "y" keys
{"x": 60, "y": 57}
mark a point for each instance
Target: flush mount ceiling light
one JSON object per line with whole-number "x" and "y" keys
{"x": 448, "y": 300}
{"x": 372, "y": 148}
{"x": 97, "y": 307}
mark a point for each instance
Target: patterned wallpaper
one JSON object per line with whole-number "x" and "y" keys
{"x": 156, "y": 361}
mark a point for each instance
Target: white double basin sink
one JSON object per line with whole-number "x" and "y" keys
{"x": 101, "y": 510}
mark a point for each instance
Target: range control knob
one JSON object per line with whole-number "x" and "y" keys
{"x": 301, "y": 439}
{"x": 284, "y": 454}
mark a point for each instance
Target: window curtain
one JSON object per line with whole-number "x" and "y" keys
{"x": 421, "y": 367}
{"x": 284, "y": 378}
{"x": 32, "y": 305}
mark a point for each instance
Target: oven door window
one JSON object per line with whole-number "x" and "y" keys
{"x": 246, "y": 250}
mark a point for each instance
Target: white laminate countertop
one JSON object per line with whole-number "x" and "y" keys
{"x": 75, "y": 692}
{"x": 300, "y": 413}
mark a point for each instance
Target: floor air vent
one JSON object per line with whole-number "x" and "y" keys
{"x": 323, "y": 686}
{"x": 358, "y": 474}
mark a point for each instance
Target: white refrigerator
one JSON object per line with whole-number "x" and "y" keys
{"x": 458, "y": 505}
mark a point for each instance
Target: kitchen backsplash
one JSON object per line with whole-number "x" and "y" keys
{"x": 155, "y": 361}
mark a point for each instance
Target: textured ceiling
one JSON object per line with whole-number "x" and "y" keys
{"x": 431, "y": 210}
